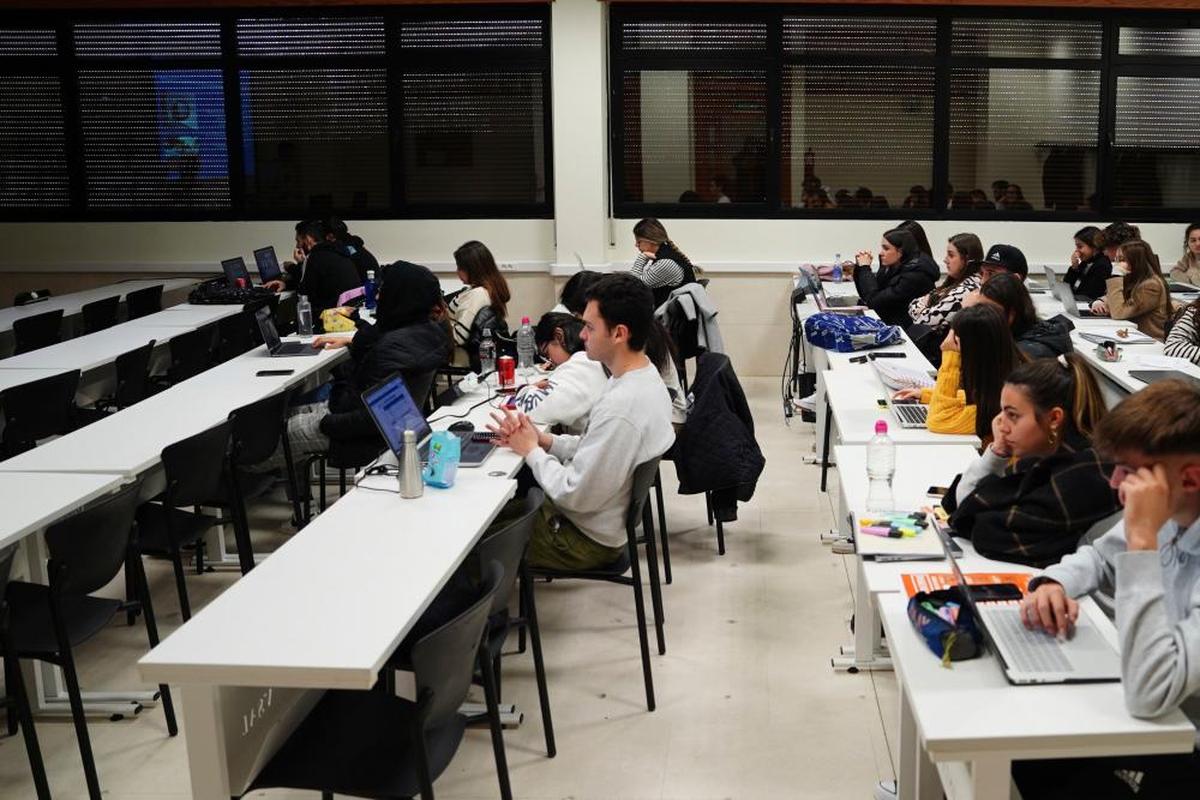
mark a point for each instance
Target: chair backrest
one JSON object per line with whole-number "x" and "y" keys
{"x": 35, "y": 410}
{"x": 142, "y": 302}
{"x": 100, "y": 314}
{"x": 643, "y": 479}
{"x": 7, "y": 554}
{"x": 285, "y": 316}
{"x": 444, "y": 660}
{"x": 40, "y": 330}
{"x": 419, "y": 385}
{"x": 191, "y": 353}
{"x": 257, "y": 428}
{"x": 133, "y": 376}
{"x": 234, "y": 335}
{"x": 89, "y": 549}
{"x": 195, "y": 466}
{"x": 507, "y": 546}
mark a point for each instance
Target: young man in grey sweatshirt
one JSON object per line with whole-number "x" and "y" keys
{"x": 1153, "y": 558}
{"x": 588, "y": 479}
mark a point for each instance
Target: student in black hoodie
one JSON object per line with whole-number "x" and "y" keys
{"x": 337, "y": 232}
{"x": 1036, "y": 338}
{"x": 1090, "y": 268}
{"x": 905, "y": 273}
{"x": 324, "y": 272}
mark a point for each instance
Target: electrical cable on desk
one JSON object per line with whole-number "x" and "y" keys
{"x": 466, "y": 413}
{"x": 373, "y": 471}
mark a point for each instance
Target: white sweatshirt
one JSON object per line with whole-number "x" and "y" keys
{"x": 572, "y": 389}
{"x": 589, "y": 477}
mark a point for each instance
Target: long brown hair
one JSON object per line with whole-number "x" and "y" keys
{"x": 1064, "y": 382}
{"x": 989, "y": 354}
{"x": 971, "y": 250}
{"x": 652, "y": 230}
{"x": 477, "y": 262}
{"x": 1143, "y": 266}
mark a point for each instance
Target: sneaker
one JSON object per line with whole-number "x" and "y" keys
{"x": 886, "y": 790}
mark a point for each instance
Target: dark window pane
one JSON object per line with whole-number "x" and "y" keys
{"x": 866, "y": 35}
{"x": 474, "y": 138}
{"x": 154, "y": 138}
{"x": 27, "y": 42}
{"x": 1173, "y": 42}
{"x": 311, "y": 36}
{"x": 694, "y": 37}
{"x": 1027, "y": 38}
{"x": 33, "y": 167}
{"x": 1156, "y": 143}
{"x": 315, "y": 139}
{"x": 1033, "y": 128}
{"x": 846, "y": 129}
{"x": 696, "y": 135}
{"x": 471, "y": 34}
{"x": 154, "y": 39}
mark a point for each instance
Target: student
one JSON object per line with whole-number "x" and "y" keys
{"x": 1152, "y": 557}
{"x": 1038, "y": 487}
{"x": 322, "y": 271}
{"x": 573, "y": 297}
{"x": 1138, "y": 292}
{"x": 1115, "y": 235}
{"x": 1187, "y": 268}
{"x": 977, "y": 353}
{"x": 587, "y": 479}
{"x": 914, "y": 227}
{"x": 904, "y": 274}
{"x": 1036, "y": 338}
{"x": 483, "y": 305}
{"x": 964, "y": 253}
{"x": 1090, "y": 268}
{"x": 364, "y": 260}
{"x": 1183, "y": 341}
{"x": 565, "y": 398}
{"x": 1004, "y": 258}
{"x": 660, "y": 264}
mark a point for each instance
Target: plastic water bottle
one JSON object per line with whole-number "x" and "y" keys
{"x": 881, "y": 467}
{"x": 837, "y": 268}
{"x": 487, "y": 353}
{"x": 304, "y": 320}
{"x": 525, "y": 347}
{"x": 369, "y": 291}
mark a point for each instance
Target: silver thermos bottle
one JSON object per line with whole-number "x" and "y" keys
{"x": 411, "y": 485}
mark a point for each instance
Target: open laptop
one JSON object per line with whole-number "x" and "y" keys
{"x": 235, "y": 268}
{"x": 1182, "y": 288}
{"x": 1155, "y": 375}
{"x": 1035, "y": 657}
{"x": 268, "y": 264}
{"x": 277, "y": 347}
{"x": 909, "y": 415}
{"x": 844, "y": 304}
{"x": 394, "y": 412}
{"x": 1062, "y": 292}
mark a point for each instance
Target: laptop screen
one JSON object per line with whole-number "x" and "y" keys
{"x": 266, "y": 327}
{"x": 394, "y": 412}
{"x": 268, "y": 264}
{"x": 235, "y": 268}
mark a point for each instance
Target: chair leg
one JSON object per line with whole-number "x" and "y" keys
{"x": 497, "y": 677}
{"x": 708, "y": 508}
{"x": 321, "y": 478}
{"x": 293, "y": 485}
{"x": 529, "y": 613}
{"x": 523, "y": 612}
{"x": 493, "y": 709}
{"x": 15, "y": 685}
{"x": 720, "y": 538}
{"x": 639, "y": 605}
{"x": 185, "y": 608}
{"x": 152, "y": 634}
{"x": 200, "y": 556}
{"x": 77, "y": 716}
{"x": 662, "y": 526}
{"x": 241, "y": 523}
{"x": 11, "y": 676}
{"x": 341, "y": 482}
{"x": 655, "y": 587}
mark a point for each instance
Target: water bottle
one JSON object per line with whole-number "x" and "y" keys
{"x": 881, "y": 467}
{"x": 525, "y": 347}
{"x": 837, "y": 268}
{"x": 487, "y": 353}
{"x": 369, "y": 291}
{"x": 304, "y": 320}
{"x": 411, "y": 484}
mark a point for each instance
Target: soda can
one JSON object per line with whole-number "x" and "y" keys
{"x": 506, "y": 368}
{"x": 241, "y": 283}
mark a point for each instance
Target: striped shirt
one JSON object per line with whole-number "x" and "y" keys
{"x": 1184, "y": 340}
{"x": 657, "y": 272}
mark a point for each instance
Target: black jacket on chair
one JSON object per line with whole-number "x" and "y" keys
{"x": 715, "y": 450}
{"x": 889, "y": 291}
{"x": 1049, "y": 338}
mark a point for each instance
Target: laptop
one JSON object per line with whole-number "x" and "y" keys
{"x": 845, "y": 304}
{"x": 268, "y": 264}
{"x": 1062, "y": 292}
{"x": 277, "y": 347}
{"x": 235, "y": 268}
{"x": 1035, "y": 657}
{"x": 394, "y": 412}
{"x": 910, "y": 415}
{"x": 1184, "y": 288}
{"x": 1154, "y": 375}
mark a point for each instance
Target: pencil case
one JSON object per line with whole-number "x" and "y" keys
{"x": 950, "y": 641}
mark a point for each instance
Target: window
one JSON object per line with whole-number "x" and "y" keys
{"x": 943, "y": 111}
{"x": 244, "y": 114}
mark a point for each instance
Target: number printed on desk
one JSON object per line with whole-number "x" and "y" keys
{"x": 257, "y": 712}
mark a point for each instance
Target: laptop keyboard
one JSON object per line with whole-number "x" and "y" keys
{"x": 1028, "y": 651}
{"x": 911, "y": 413}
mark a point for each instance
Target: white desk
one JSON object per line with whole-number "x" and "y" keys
{"x": 186, "y": 315}
{"x": 72, "y": 303}
{"x": 1113, "y": 376}
{"x": 91, "y": 351}
{"x": 17, "y": 377}
{"x": 33, "y": 500}
{"x": 961, "y": 728}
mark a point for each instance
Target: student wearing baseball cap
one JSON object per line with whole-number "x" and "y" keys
{"x": 1004, "y": 258}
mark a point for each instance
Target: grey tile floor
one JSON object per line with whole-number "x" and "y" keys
{"x": 748, "y": 707}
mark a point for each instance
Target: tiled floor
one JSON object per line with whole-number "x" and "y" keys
{"x": 748, "y": 706}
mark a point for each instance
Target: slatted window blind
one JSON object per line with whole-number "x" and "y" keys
{"x": 177, "y": 39}
{"x": 694, "y": 36}
{"x": 311, "y": 36}
{"x": 1156, "y": 142}
{"x": 28, "y": 42}
{"x": 33, "y": 165}
{"x": 1171, "y": 42}
{"x": 863, "y": 37}
{"x": 1027, "y": 38}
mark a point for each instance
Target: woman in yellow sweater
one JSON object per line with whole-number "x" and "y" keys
{"x": 977, "y": 355}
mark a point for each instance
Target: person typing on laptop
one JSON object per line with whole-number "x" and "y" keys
{"x": 1152, "y": 557}
{"x": 587, "y": 479}
{"x": 324, "y": 272}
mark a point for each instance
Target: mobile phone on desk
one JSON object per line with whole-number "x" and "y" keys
{"x": 888, "y": 355}
{"x": 995, "y": 591}
{"x": 271, "y": 373}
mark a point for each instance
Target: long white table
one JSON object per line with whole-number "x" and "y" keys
{"x": 17, "y": 377}
{"x": 33, "y": 500}
{"x": 186, "y": 315}
{"x": 1113, "y": 376}
{"x": 72, "y": 303}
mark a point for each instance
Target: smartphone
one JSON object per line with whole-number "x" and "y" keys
{"x": 888, "y": 355}
{"x": 995, "y": 591}
{"x": 858, "y": 360}
{"x": 270, "y": 373}
{"x": 937, "y": 491}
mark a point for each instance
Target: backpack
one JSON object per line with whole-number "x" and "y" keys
{"x": 845, "y": 333}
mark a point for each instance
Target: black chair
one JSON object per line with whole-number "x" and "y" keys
{"x": 133, "y": 385}
{"x": 195, "y": 473}
{"x": 284, "y": 312}
{"x": 374, "y": 744}
{"x": 38, "y": 331}
{"x": 48, "y": 622}
{"x": 235, "y": 335}
{"x": 16, "y": 699}
{"x": 639, "y": 511}
{"x": 101, "y": 314}
{"x": 191, "y": 354}
{"x": 143, "y": 302}
{"x": 37, "y": 410}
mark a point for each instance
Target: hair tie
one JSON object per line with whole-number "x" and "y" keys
{"x": 1062, "y": 360}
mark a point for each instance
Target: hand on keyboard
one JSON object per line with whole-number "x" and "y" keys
{"x": 1048, "y": 608}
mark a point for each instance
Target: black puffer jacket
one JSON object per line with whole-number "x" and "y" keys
{"x": 327, "y": 272}
{"x": 889, "y": 291}
{"x": 364, "y": 260}
{"x": 1049, "y": 338}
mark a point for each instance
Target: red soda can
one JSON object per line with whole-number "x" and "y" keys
{"x": 506, "y": 368}
{"x": 241, "y": 283}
